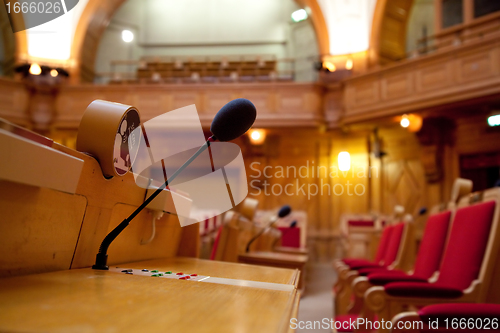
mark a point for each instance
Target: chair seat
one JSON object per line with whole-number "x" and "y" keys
{"x": 419, "y": 289}
{"x": 383, "y": 278}
{"x": 353, "y": 261}
{"x": 358, "y": 266}
{"x": 365, "y": 271}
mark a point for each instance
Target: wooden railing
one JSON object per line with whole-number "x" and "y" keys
{"x": 202, "y": 69}
{"x": 463, "y": 72}
{"x": 278, "y": 104}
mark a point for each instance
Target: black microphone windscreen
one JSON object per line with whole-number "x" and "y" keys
{"x": 422, "y": 211}
{"x": 233, "y": 120}
{"x": 293, "y": 224}
{"x": 284, "y": 211}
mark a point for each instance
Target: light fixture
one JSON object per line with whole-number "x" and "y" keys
{"x": 405, "y": 122}
{"x": 127, "y": 36}
{"x": 329, "y": 66}
{"x": 257, "y": 136}
{"x": 344, "y": 161}
{"x": 494, "y": 120}
{"x": 416, "y": 122}
{"x": 299, "y": 15}
{"x": 54, "y": 73}
{"x": 35, "y": 69}
{"x": 349, "y": 64}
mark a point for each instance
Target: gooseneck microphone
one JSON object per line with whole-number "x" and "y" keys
{"x": 284, "y": 211}
{"x": 232, "y": 121}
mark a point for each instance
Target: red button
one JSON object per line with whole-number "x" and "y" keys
{"x": 184, "y": 278}
{"x": 180, "y": 273}
{"x": 194, "y": 274}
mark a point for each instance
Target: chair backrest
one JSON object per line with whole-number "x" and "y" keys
{"x": 382, "y": 246}
{"x": 226, "y": 242}
{"x": 466, "y": 246}
{"x": 461, "y": 187}
{"x": 248, "y": 208}
{"x": 394, "y": 243}
{"x": 432, "y": 244}
{"x": 490, "y": 269}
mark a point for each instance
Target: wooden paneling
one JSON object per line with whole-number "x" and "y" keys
{"x": 36, "y": 236}
{"x": 467, "y": 72}
{"x": 285, "y": 104}
{"x": 14, "y": 99}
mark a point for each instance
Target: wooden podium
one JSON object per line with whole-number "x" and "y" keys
{"x": 57, "y": 207}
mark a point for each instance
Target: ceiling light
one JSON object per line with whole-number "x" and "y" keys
{"x": 494, "y": 120}
{"x": 127, "y": 36}
{"x": 257, "y": 136}
{"x": 299, "y": 15}
{"x": 349, "y": 64}
{"x": 35, "y": 69}
{"x": 330, "y": 66}
{"x": 405, "y": 122}
{"x": 54, "y": 73}
{"x": 344, "y": 161}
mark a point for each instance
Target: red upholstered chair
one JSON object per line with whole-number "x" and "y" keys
{"x": 341, "y": 291}
{"x": 395, "y": 245}
{"x": 466, "y": 271}
{"x": 461, "y": 317}
{"x": 426, "y": 265}
{"x": 350, "y": 263}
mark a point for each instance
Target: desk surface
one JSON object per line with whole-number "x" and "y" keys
{"x": 291, "y": 250}
{"x": 219, "y": 269}
{"x": 273, "y": 257}
{"x": 87, "y": 300}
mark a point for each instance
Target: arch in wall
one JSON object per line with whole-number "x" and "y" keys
{"x": 93, "y": 21}
{"x": 15, "y": 44}
{"x": 388, "y": 36}
{"x": 319, "y": 25}
{"x": 97, "y": 15}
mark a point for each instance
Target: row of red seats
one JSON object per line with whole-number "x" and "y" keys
{"x": 451, "y": 267}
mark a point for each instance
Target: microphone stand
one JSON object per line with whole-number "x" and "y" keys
{"x": 102, "y": 257}
{"x": 273, "y": 221}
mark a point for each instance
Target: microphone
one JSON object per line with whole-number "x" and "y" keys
{"x": 283, "y": 212}
{"x": 233, "y": 120}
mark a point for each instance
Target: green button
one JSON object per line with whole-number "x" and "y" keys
{"x": 161, "y": 274}
{"x": 169, "y": 272}
{"x": 154, "y": 275}
{"x": 154, "y": 271}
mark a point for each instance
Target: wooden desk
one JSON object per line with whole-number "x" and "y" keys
{"x": 87, "y": 300}
{"x": 220, "y": 269}
{"x": 275, "y": 259}
{"x": 291, "y": 250}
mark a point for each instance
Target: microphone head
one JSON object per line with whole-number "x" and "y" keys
{"x": 233, "y": 120}
{"x": 422, "y": 211}
{"x": 284, "y": 211}
{"x": 293, "y": 224}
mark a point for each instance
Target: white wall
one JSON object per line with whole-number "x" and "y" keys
{"x": 201, "y": 27}
{"x": 349, "y": 24}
